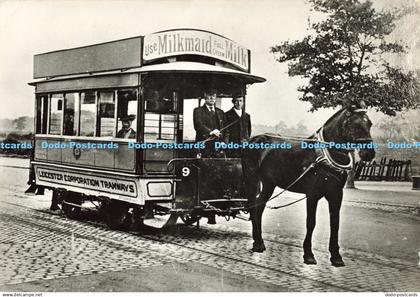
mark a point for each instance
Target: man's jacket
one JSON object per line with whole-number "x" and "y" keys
{"x": 205, "y": 122}
{"x": 241, "y": 130}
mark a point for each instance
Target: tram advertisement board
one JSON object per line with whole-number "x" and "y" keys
{"x": 93, "y": 182}
{"x": 195, "y": 42}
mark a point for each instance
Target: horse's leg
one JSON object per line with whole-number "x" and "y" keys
{"x": 311, "y": 206}
{"x": 252, "y": 208}
{"x": 251, "y": 185}
{"x": 267, "y": 191}
{"x": 334, "y": 205}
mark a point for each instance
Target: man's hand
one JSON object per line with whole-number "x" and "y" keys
{"x": 215, "y": 132}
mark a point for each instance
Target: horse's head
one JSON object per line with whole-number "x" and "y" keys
{"x": 357, "y": 129}
{"x": 353, "y": 125}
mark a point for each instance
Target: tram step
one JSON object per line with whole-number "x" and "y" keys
{"x": 161, "y": 221}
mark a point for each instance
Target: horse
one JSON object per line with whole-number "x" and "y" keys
{"x": 318, "y": 171}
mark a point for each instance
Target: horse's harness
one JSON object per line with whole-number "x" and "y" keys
{"x": 324, "y": 156}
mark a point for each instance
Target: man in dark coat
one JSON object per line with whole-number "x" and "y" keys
{"x": 208, "y": 123}
{"x": 241, "y": 129}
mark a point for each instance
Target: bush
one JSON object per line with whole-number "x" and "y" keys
{"x": 14, "y": 138}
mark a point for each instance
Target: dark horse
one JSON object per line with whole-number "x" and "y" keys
{"x": 324, "y": 173}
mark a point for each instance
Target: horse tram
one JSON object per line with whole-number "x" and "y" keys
{"x": 114, "y": 127}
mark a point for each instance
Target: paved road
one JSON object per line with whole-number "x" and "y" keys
{"x": 41, "y": 251}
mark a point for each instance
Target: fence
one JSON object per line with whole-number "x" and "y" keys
{"x": 393, "y": 170}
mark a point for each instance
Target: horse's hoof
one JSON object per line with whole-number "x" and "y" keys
{"x": 337, "y": 262}
{"x": 309, "y": 260}
{"x": 258, "y": 248}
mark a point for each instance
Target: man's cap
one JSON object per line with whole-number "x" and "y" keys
{"x": 238, "y": 95}
{"x": 210, "y": 90}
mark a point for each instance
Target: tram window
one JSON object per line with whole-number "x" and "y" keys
{"x": 71, "y": 111}
{"x": 106, "y": 119}
{"x": 188, "y": 126}
{"x": 41, "y": 114}
{"x": 160, "y": 120}
{"x": 56, "y": 114}
{"x": 160, "y": 127}
{"x": 87, "y": 113}
{"x": 160, "y": 101}
{"x": 127, "y": 108}
{"x": 225, "y": 104}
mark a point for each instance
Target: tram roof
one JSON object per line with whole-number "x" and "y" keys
{"x": 195, "y": 67}
{"x": 173, "y": 67}
{"x": 211, "y": 52}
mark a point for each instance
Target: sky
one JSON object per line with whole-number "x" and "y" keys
{"x": 32, "y": 27}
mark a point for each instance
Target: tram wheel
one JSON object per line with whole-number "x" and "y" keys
{"x": 102, "y": 209}
{"x": 70, "y": 205}
{"x": 137, "y": 219}
{"x": 189, "y": 219}
{"x": 118, "y": 216}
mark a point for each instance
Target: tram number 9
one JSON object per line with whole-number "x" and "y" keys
{"x": 185, "y": 171}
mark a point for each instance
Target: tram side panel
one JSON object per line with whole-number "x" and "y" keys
{"x": 106, "y": 173}
{"x": 90, "y": 183}
{"x": 61, "y": 151}
{"x": 126, "y": 188}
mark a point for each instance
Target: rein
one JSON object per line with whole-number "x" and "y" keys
{"x": 323, "y": 156}
{"x": 313, "y": 164}
{"x": 289, "y": 186}
{"x": 298, "y": 138}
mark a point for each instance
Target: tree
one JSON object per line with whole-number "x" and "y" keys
{"x": 280, "y": 128}
{"x": 20, "y": 123}
{"x": 343, "y": 60}
{"x": 405, "y": 127}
